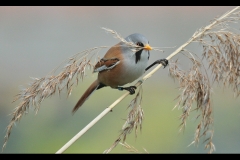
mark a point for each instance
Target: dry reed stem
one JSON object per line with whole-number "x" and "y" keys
{"x": 45, "y": 87}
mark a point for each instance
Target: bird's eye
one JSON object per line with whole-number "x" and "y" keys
{"x": 140, "y": 44}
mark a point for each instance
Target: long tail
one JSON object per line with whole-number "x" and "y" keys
{"x": 86, "y": 94}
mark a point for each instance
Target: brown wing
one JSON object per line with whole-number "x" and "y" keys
{"x": 106, "y": 64}
{"x": 110, "y": 60}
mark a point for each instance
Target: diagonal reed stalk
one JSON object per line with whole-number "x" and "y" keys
{"x": 222, "y": 52}
{"x": 196, "y": 35}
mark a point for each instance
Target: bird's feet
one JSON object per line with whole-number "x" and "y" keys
{"x": 131, "y": 89}
{"x": 164, "y": 62}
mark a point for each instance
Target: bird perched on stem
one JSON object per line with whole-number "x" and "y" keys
{"x": 123, "y": 63}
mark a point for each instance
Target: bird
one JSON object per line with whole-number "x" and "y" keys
{"x": 121, "y": 64}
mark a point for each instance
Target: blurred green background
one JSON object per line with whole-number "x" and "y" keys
{"x": 34, "y": 40}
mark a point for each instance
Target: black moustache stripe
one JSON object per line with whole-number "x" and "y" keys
{"x": 138, "y": 55}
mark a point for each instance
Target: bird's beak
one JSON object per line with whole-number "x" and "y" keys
{"x": 147, "y": 47}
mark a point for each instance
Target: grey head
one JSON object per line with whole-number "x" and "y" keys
{"x": 137, "y": 38}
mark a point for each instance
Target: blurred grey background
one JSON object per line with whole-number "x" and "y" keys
{"x": 34, "y": 40}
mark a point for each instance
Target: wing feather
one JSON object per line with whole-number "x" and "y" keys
{"x": 106, "y": 64}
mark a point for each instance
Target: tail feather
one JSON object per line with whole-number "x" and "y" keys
{"x": 86, "y": 94}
